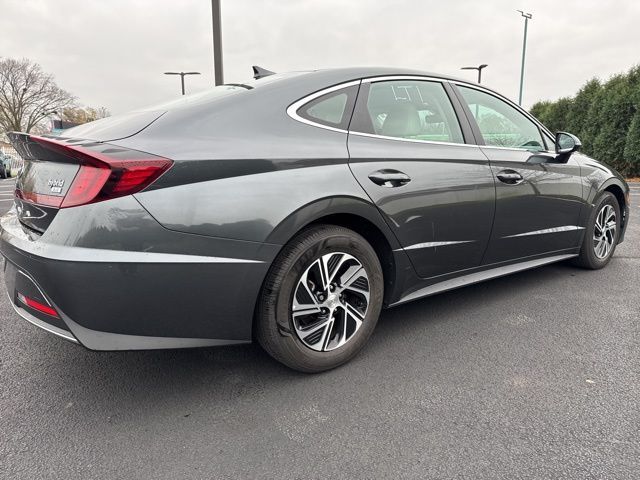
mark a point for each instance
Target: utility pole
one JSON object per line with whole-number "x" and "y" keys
{"x": 527, "y": 17}
{"x": 478, "y": 68}
{"x": 216, "y": 22}
{"x": 182, "y": 74}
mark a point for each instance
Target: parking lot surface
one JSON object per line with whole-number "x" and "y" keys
{"x": 535, "y": 375}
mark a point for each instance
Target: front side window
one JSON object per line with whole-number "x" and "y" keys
{"x": 332, "y": 109}
{"x": 410, "y": 109}
{"x": 501, "y": 125}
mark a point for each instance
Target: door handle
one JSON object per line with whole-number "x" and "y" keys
{"x": 510, "y": 177}
{"x": 389, "y": 178}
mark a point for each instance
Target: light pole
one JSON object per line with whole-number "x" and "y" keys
{"x": 527, "y": 17}
{"x": 216, "y": 23}
{"x": 182, "y": 74}
{"x": 478, "y": 68}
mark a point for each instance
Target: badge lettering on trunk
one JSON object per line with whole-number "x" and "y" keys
{"x": 55, "y": 185}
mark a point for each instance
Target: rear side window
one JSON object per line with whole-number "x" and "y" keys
{"x": 410, "y": 109}
{"x": 332, "y": 109}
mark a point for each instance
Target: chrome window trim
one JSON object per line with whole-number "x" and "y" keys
{"x": 292, "y": 110}
{"x": 513, "y": 149}
{"x": 412, "y": 140}
{"x": 386, "y": 78}
{"x": 294, "y": 107}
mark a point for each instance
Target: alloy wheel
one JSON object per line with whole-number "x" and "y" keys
{"x": 604, "y": 233}
{"x": 330, "y": 301}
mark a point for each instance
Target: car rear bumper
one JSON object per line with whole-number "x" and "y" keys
{"x": 128, "y": 300}
{"x": 51, "y": 325}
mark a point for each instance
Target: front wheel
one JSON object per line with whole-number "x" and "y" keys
{"x": 321, "y": 299}
{"x": 602, "y": 233}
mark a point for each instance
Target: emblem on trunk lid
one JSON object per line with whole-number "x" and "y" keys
{"x": 55, "y": 185}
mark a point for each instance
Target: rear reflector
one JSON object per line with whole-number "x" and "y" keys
{"x": 30, "y": 302}
{"x": 105, "y": 172}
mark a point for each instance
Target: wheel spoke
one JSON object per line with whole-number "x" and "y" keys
{"x": 323, "y": 263}
{"x": 599, "y": 221}
{"x": 342, "y": 283}
{"x": 352, "y": 274}
{"x": 604, "y": 233}
{"x": 610, "y": 214}
{"x": 343, "y": 258}
{"x": 355, "y": 315}
{"x": 314, "y": 328}
{"x": 356, "y": 273}
{"x": 304, "y": 309}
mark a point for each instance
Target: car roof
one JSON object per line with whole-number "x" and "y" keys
{"x": 345, "y": 74}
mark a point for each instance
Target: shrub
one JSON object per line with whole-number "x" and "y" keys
{"x": 606, "y": 117}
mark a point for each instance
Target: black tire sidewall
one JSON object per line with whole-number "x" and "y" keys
{"x": 309, "y": 247}
{"x": 588, "y": 248}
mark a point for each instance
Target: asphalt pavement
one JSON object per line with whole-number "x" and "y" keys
{"x": 535, "y": 375}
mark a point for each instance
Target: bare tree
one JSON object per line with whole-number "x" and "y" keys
{"x": 83, "y": 114}
{"x": 27, "y": 95}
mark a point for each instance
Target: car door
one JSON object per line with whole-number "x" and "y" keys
{"x": 538, "y": 193}
{"x": 407, "y": 149}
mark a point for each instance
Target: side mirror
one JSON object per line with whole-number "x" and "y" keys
{"x": 567, "y": 143}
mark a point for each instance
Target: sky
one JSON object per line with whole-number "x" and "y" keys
{"x": 113, "y": 53}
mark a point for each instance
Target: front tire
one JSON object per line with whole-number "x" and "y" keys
{"x": 602, "y": 233}
{"x": 321, "y": 299}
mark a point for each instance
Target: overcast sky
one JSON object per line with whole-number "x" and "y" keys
{"x": 112, "y": 52}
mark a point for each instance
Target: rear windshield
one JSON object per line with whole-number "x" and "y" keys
{"x": 197, "y": 98}
{"x": 114, "y": 128}
{"x": 128, "y": 124}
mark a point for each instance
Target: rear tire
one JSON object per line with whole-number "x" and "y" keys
{"x": 342, "y": 310}
{"x": 601, "y": 235}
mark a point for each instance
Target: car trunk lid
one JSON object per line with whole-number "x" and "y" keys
{"x": 68, "y": 172}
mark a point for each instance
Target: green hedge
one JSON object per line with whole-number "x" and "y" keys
{"x": 605, "y": 116}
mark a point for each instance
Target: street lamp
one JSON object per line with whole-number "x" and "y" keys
{"x": 527, "y": 17}
{"x": 478, "y": 68}
{"x": 216, "y": 23}
{"x": 182, "y": 74}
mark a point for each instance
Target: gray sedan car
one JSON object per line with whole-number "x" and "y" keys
{"x": 292, "y": 209}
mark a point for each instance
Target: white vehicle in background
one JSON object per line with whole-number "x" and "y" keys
{"x": 6, "y": 162}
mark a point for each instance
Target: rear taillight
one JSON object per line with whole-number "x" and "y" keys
{"x": 104, "y": 173}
